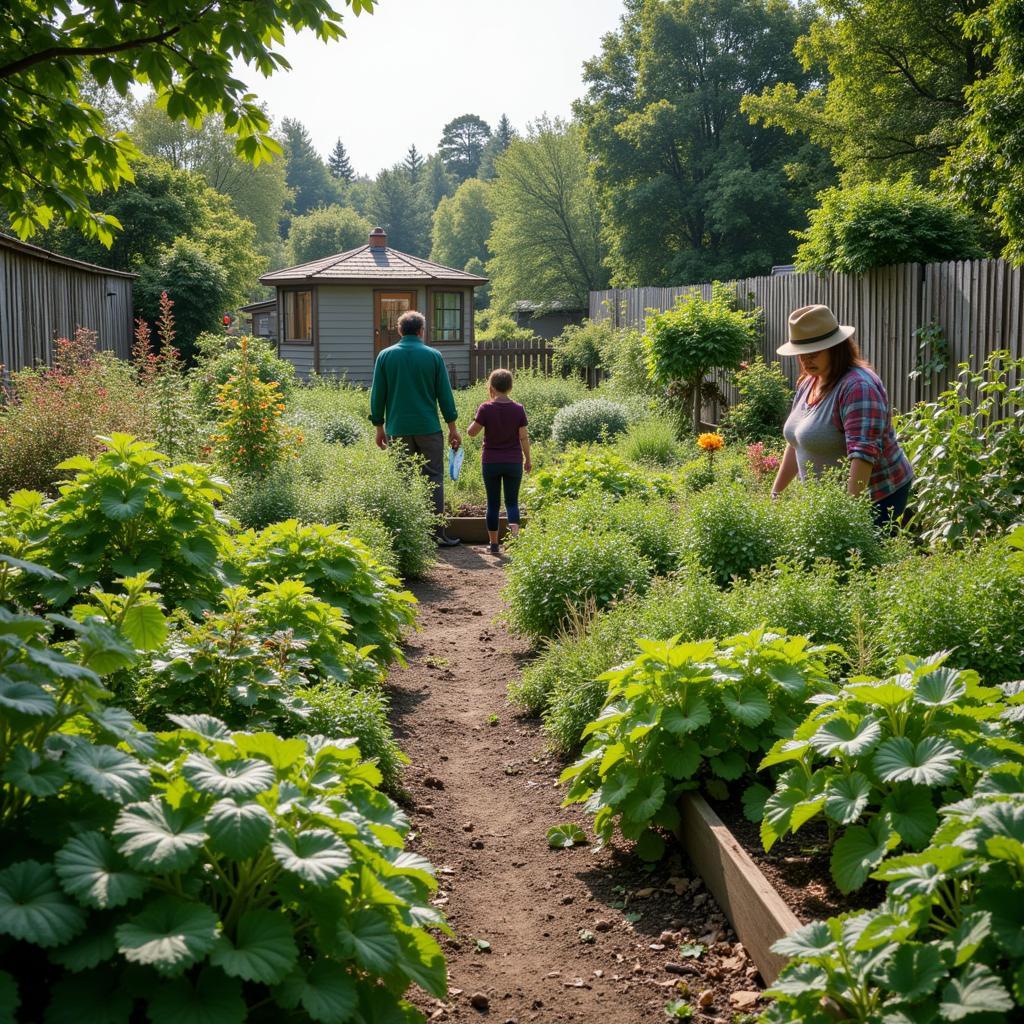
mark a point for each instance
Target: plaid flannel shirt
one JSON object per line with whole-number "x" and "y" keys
{"x": 863, "y": 413}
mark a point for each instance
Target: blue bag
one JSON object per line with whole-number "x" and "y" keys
{"x": 455, "y": 462}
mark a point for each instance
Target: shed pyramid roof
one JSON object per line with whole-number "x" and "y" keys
{"x": 371, "y": 264}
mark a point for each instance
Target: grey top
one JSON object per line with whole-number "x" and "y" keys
{"x": 811, "y": 429}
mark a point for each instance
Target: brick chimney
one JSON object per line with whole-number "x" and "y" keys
{"x": 378, "y": 239}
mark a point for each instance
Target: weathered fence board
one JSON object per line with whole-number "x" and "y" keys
{"x": 977, "y": 303}
{"x": 44, "y": 296}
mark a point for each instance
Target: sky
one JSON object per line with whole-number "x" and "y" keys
{"x": 413, "y": 65}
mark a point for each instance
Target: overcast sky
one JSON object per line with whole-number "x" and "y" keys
{"x": 413, "y": 65}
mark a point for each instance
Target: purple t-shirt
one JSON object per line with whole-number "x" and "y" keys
{"x": 501, "y": 422}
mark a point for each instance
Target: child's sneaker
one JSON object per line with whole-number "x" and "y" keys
{"x": 495, "y": 549}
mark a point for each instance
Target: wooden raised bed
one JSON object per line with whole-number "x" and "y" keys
{"x": 756, "y": 911}
{"x": 473, "y": 529}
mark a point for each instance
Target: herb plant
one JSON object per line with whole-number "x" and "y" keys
{"x": 583, "y": 469}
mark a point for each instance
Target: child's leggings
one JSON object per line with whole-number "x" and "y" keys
{"x": 495, "y": 474}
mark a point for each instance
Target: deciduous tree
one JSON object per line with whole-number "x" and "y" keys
{"x": 60, "y": 148}
{"x": 502, "y": 138}
{"x": 325, "y": 231}
{"x": 547, "y": 230}
{"x": 689, "y": 189}
{"x": 462, "y": 225}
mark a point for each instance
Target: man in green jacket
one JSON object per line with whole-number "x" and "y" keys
{"x": 410, "y": 381}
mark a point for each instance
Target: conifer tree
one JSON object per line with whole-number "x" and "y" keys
{"x": 339, "y": 164}
{"x": 413, "y": 163}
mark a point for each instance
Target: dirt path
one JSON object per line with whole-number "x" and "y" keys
{"x": 576, "y": 935}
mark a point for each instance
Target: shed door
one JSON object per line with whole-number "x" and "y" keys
{"x": 388, "y": 307}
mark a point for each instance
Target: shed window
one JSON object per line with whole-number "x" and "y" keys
{"x": 298, "y": 316}
{"x": 448, "y": 316}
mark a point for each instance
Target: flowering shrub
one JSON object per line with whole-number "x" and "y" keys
{"x": 54, "y": 413}
{"x": 251, "y": 438}
{"x": 763, "y": 464}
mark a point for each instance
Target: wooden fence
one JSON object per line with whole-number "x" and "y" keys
{"x": 44, "y": 296}
{"x": 978, "y": 304}
{"x": 517, "y": 356}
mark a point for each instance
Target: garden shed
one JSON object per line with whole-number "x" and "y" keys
{"x": 335, "y": 314}
{"x": 44, "y": 296}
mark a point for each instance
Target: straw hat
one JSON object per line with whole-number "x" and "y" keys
{"x": 811, "y": 329}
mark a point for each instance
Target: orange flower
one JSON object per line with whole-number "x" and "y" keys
{"x": 710, "y": 442}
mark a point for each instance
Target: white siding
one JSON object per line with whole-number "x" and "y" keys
{"x": 346, "y": 331}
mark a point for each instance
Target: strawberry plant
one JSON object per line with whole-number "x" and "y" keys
{"x": 876, "y": 758}
{"x": 947, "y": 944}
{"x": 194, "y": 875}
{"x": 126, "y": 512}
{"x": 340, "y": 570}
{"x": 682, "y": 715}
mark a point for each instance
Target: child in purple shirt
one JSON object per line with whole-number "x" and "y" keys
{"x": 506, "y": 452}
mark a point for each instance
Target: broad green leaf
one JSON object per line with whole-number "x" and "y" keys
{"x": 33, "y": 908}
{"x": 423, "y": 961}
{"x": 91, "y": 870}
{"x": 370, "y": 937}
{"x": 30, "y": 569}
{"x": 326, "y": 991}
{"x": 940, "y": 688}
{"x": 108, "y": 772}
{"x": 207, "y": 726}
{"x": 145, "y": 626}
{"x": 156, "y": 836}
{"x": 121, "y": 505}
{"x": 800, "y": 979}
{"x": 968, "y": 937}
{"x": 883, "y": 695}
{"x": 681, "y": 759}
{"x": 912, "y": 813}
{"x": 213, "y": 999}
{"x": 810, "y": 940}
{"x": 317, "y": 855}
{"x": 1005, "y": 906}
{"x": 747, "y": 704}
{"x": 281, "y": 753}
{"x": 730, "y": 765}
{"x": 28, "y": 771}
{"x": 754, "y": 799}
{"x": 561, "y": 837}
{"x": 977, "y": 990}
{"x": 845, "y": 737}
{"x": 239, "y": 777}
{"x": 92, "y": 948}
{"x": 264, "y": 949}
{"x": 859, "y": 851}
{"x": 646, "y": 799}
{"x": 932, "y": 762}
{"x": 679, "y": 721}
{"x": 239, "y": 830}
{"x": 650, "y": 847}
{"x": 93, "y": 997}
{"x": 169, "y": 935}
{"x": 25, "y": 699}
{"x": 846, "y": 797}
{"x": 914, "y": 971}
{"x": 619, "y": 784}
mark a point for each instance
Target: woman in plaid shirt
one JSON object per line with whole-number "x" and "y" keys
{"x": 841, "y": 413}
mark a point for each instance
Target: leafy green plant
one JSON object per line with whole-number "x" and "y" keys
{"x": 126, "y": 512}
{"x": 968, "y": 453}
{"x": 340, "y": 570}
{"x": 945, "y": 945}
{"x": 217, "y": 360}
{"x": 765, "y": 398}
{"x": 196, "y": 874}
{"x": 878, "y": 223}
{"x": 557, "y": 570}
{"x": 651, "y": 442}
{"x": 582, "y": 348}
{"x": 876, "y": 758}
{"x": 590, "y": 421}
{"x": 583, "y": 469}
{"x": 696, "y": 336}
{"x": 682, "y": 715}
{"x": 824, "y": 521}
{"x": 933, "y": 351}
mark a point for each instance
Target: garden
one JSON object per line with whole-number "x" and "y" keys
{"x": 212, "y": 690}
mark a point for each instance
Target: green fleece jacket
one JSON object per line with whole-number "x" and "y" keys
{"x": 410, "y": 381}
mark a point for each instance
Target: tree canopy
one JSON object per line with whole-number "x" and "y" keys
{"x": 399, "y": 207}
{"x": 60, "y": 148}
{"x": 689, "y": 190}
{"x": 325, "y": 231}
{"x": 462, "y": 142}
{"x": 307, "y": 174}
{"x": 883, "y": 85}
{"x": 339, "y": 164}
{"x": 462, "y": 225}
{"x": 546, "y": 238}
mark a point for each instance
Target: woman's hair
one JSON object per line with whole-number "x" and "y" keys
{"x": 501, "y": 381}
{"x": 841, "y": 359}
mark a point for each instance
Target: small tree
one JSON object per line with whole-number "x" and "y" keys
{"x": 693, "y": 338}
{"x": 879, "y": 223}
{"x": 339, "y": 164}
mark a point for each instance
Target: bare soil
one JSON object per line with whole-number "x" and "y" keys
{"x": 578, "y": 935}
